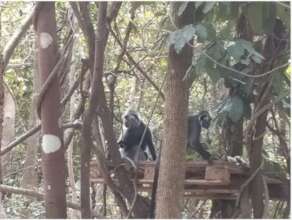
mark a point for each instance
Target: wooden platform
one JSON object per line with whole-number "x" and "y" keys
{"x": 221, "y": 180}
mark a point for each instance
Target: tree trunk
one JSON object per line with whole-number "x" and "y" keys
{"x": 1, "y": 114}
{"x": 53, "y": 162}
{"x": 1, "y": 107}
{"x": 172, "y": 170}
{"x": 98, "y": 99}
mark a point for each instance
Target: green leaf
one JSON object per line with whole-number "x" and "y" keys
{"x": 180, "y": 37}
{"x": 249, "y": 47}
{"x": 211, "y": 32}
{"x": 201, "y": 32}
{"x": 245, "y": 61}
{"x": 256, "y": 59}
{"x": 200, "y": 65}
{"x": 217, "y": 51}
{"x": 212, "y": 71}
{"x": 236, "y": 51}
{"x": 234, "y": 108}
{"x": 287, "y": 72}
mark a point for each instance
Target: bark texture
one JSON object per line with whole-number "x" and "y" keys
{"x": 172, "y": 170}
{"x": 53, "y": 163}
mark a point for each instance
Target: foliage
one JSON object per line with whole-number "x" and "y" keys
{"x": 20, "y": 207}
{"x": 217, "y": 53}
{"x": 233, "y": 108}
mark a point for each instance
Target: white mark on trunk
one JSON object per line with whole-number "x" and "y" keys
{"x": 49, "y": 187}
{"x": 45, "y": 40}
{"x": 50, "y": 143}
{"x": 122, "y": 152}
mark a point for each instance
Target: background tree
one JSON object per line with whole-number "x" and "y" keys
{"x": 52, "y": 151}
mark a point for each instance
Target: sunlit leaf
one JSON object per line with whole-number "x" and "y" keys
{"x": 180, "y": 37}
{"x": 287, "y": 72}
{"x": 201, "y": 32}
{"x": 234, "y": 108}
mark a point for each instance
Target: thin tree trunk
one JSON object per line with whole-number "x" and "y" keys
{"x": 1, "y": 110}
{"x": 29, "y": 178}
{"x": 1, "y": 116}
{"x": 53, "y": 162}
{"x": 70, "y": 166}
{"x": 2, "y": 212}
{"x": 172, "y": 171}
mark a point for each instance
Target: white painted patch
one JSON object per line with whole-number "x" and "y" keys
{"x": 50, "y": 143}
{"x": 122, "y": 153}
{"x": 49, "y": 187}
{"x": 45, "y": 40}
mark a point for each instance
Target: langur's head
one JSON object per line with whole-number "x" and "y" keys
{"x": 131, "y": 119}
{"x": 205, "y": 119}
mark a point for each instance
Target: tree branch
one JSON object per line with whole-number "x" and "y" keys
{"x": 14, "y": 40}
{"x": 32, "y": 193}
{"x": 54, "y": 73}
{"x": 131, "y": 59}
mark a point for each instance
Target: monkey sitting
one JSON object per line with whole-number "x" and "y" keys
{"x": 132, "y": 138}
{"x": 195, "y": 125}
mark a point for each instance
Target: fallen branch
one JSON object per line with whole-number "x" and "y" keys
{"x": 32, "y": 193}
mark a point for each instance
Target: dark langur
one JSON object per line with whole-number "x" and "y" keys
{"x": 130, "y": 141}
{"x": 195, "y": 125}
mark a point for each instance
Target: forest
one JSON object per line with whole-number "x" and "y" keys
{"x": 147, "y": 109}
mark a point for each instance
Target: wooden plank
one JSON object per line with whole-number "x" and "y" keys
{"x": 190, "y": 182}
{"x": 200, "y": 165}
{"x": 149, "y": 173}
{"x": 214, "y": 191}
{"x": 201, "y": 192}
{"x": 215, "y": 184}
{"x": 218, "y": 172}
{"x": 211, "y": 197}
{"x": 97, "y": 180}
